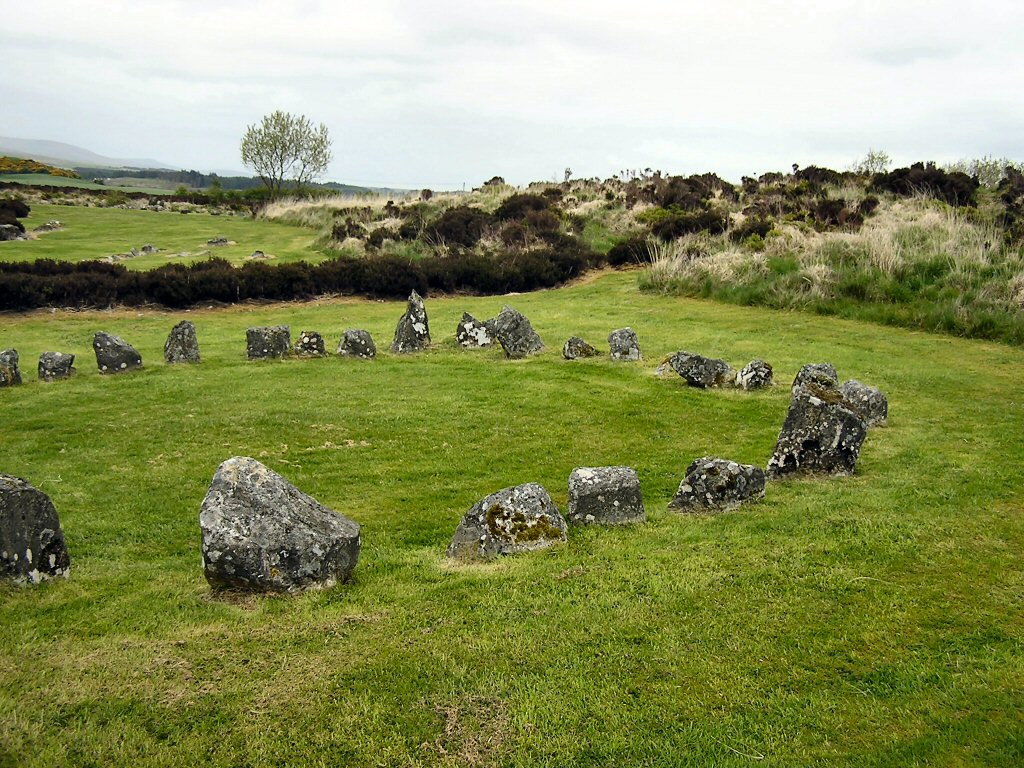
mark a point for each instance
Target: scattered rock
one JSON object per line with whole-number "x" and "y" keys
{"x": 821, "y": 433}
{"x": 471, "y": 333}
{"x": 702, "y": 372}
{"x": 133, "y": 252}
{"x": 148, "y": 249}
{"x": 870, "y": 403}
{"x": 261, "y": 533}
{"x": 56, "y": 365}
{"x": 713, "y": 484}
{"x": 9, "y": 372}
{"x": 256, "y": 255}
{"x": 575, "y": 348}
{"x": 413, "y": 331}
{"x": 518, "y": 519}
{"x": 357, "y": 343}
{"x": 515, "y": 334}
{"x": 218, "y": 241}
{"x": 10, "y": 232}
{"x": 823, "y": 374}
{"x": 114, "y": 354}
{"x": 267, "y": 341}
{"x": 757, "y": 374}
{"x": 182, "y": 346}
{"x": 624, "y": 344}
{"x": 605, "y": 495}
{"x": 310, "y": 344}
{"x": 32, "y": 544}
{"x": 49, "y": 226}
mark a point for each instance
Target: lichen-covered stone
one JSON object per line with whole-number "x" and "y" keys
{"x": 182, "y": 346}
{"x": 114, "y": 354}
{"x": 712, "y": 484}
{"x": 261, "y": 533}
{"x": 605, "y": 496}
{"x": 310, "y": 344}
{"x": 357, "y": 343}
{"x": 413, "y": 330}
{"x": 624, "y": 344}
{"x": 56, "y": 365}
{"x": 575, "y": 348}
{"x": 822, "y": 374}
{"x": 518, "y": 519}
{"x": 32, "y": 546}
{"x": 700, "y": 371}
{"x": 268, "y": 341}
{"x": 515, "y": 334}
{"x": 472, "y": 333}
{"x": 821, "y": 433}
{"x": 757, "y": 374}
{"x": 869, "y": 402}
{"x": 10, "y": 374}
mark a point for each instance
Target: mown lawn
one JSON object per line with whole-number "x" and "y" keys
{"x": 94, "y": 233}
{"x": 864, "y": 621}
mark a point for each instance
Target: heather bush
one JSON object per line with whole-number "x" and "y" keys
{"x": 463, "y": 225}
{"x": 955, "y": 188}
{"x": 519, "y": 204}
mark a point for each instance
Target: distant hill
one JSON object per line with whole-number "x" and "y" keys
{"x": 68, "y": 155}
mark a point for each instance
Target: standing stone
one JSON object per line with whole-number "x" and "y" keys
{"x": 114, "y": 354}
{"x": 472, "y": 334}
{"x": 575, "y": 348}
{"x": 605, "y": 495}
{"x": 268, "y": 341}
{"x": 9, "y": 372}
{"x": 413, "y": 330}
{"x": 356, "y": 343}
{"x": 310, "y": 344}
{"x": 821, "y": 433}
{"x": 518, "y": 519}
{"x": 869, "y": 402}
{"x": 700, "y": 371}
{"x": 823, "y": 374}
{"x": 56, "y": 365}
{"x": 624, "y": 344}
{"x": 757, "y": 374}
{"x": 181, "y": 345}
{"x": 515, "y": 334}
{"x": 712, "y": 484}
{"x": 261, "y": 533}
{"x": 32, "y": 544}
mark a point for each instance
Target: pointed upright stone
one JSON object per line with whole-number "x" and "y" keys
{"x": 10, "y": 375}
{"x": 412, "y": 333}
{"x": 182, "y": 346}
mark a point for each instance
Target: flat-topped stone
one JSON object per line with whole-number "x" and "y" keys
{"x": 757, "y": 374}
{"x": 605, "y": 496}
{"x": 56, "y": 365}
{"x": 699, "y": 371}
{"x": 265, "y": 342}
{"x": 522, "y": 518}
{"x": 623, "y": 345}
{"x": 712, "y": 484}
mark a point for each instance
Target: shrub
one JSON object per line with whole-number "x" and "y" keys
{"x": 17, "y": 208}
{"x": 955, "y": 188}
{"x": 632, "y": 251}
{"x": 519, "y": 204}
{"x": 677, "y": 225}
{"x": 759, "y": 227}
{"x": 463, "y": 225}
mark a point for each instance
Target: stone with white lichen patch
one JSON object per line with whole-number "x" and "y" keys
{"x": 412, "y": 333}
{"x": 357, "y": 343}
{"x": 713, "y": 485}
{"x": 518, "y": 519}
{"x": 605, "y": 496}
{"x": 623, "y": 345}
{"x": 472, "y": 333}
{"x": 114, "y": 354}
{"x": 32, "y": 546}
{"x": 310, "y": 344}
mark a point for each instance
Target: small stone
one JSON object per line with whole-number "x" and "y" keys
{"x": 114, "y": 354}
{"x": 715, "y": 485}
{"x": 310, "y": 344}
{"x": 149, "y": 249}
{"x": 218, "y": 241}
{"x": 32, "y": 546}
{"x": 624, "y": 345}
{"x": 606, "y": 496}
{"x": 267, "y": 342}
{"x": 10, "y": 374}
{"x": 757, "y": 374}
{"x": 412, "y": 333}
{"x": 472, "y": 333}
{"x": 700, "y": 371}
{"x": 182, "y": 346}
{"x": 515, "y": 334}
{"x": 56, "y": 365}
{"x": 357, "y": 343}
{"x": 869, "y": 402}
{"x": 575, "y": 348}
{"x": 518, "y": 519}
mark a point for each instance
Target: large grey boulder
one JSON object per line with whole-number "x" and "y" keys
{"x": 515, "y": 334}
{"x": 869, "y": 402}
{"x": 261, "y": 533}
{"x": 605, "y": 495}
{"x": 700, "y": 371}
{"x": 11, "y": 232}
{"x": 413, "y": 330}
{"x": 182, "y": 346}
{"x": 472, "y": 333}
{"x": 357, "y": 343}
{"x": 267, "y": 341}
{"x": 10, "y": 374}
{"x": 56, "y": 365}
{"x": 310, "y": 344}
{"x": 714, "y": 485}
{"x": 821, "y": 434}
{"x": 114, "y": 354}
{"x": 822, "y": 374}
{"x": 32, "y": 546}
{"x": 518, "y": 519}
{"x": 624, "y": 344}
{"x": 575, "y": 348}
{"x": 757, "y": 374}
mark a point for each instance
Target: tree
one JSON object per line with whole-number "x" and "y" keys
{"x": 875, "y": 161}
{"x": 286, "y": 147}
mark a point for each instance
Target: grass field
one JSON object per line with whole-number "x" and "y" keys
{"x": 45, "y": 179}
{"x": 874, "y": 620}
{"x": 93, "y": 233}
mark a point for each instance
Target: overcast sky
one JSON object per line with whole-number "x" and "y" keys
{"x": 440, "y": 93}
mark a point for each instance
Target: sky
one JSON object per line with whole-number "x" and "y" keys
{"x": 442, "y": 94}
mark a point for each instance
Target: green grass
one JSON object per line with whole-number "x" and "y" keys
{"x": 45, "y": 179}
{"x": 875, "y": 620}
{"x": 93, "y": 233}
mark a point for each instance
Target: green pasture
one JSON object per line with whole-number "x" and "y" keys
{"x": 873, "y": 620}
{"x": 94, "y": 233}
{"x": 45, "y": 179}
